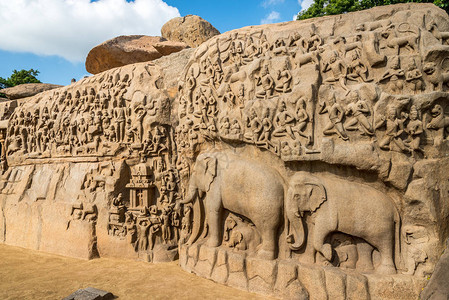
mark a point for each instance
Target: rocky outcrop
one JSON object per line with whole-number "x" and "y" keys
{"x": 438, "y": 286}
{"x": 192, "y": 30}
{"x": 125, "y": 50}
{"x": 27, "y": 90}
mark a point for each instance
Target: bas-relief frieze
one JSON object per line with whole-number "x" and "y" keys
{"x": 295, "y": 147}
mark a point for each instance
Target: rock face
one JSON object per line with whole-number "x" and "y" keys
{"x": 304, "y": 160}
{"x": 125, "y": 50}
{"x": 437, "y": 288}
{"x": 192, "y": 30}
{"x": 27, "y": 90}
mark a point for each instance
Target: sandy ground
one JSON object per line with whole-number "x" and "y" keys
{"x": 28, "y": 274}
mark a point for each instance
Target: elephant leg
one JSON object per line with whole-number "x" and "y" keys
{"x": 319, "y": 235}
{"x": 268, "y": 248}
{"x": 386, "y": 250}
{"x": 214, "y": 221}
{"x": 365, "y": 255}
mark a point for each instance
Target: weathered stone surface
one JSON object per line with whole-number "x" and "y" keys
{"x": 192, "y": 30}
{"x": 27, "y": 90}
{"x": 125, "y": 50}
{"x": 301, "y": 160}
{"x": 438, "y": 287}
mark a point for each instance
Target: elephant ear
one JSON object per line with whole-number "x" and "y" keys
{"x": 316, "y": 195}
{"x": 210, "y": 171}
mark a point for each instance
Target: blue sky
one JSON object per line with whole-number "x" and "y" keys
{"x": 54, "y": 36}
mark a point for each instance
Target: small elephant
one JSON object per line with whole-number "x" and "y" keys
{"x": 341, "y": 206}
{"x": 243, "y": 187}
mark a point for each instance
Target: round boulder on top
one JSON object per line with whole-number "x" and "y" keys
{"x": 192, "y": 30}
{"x": 27, "y": 90}
{"x": 129, "y": 49}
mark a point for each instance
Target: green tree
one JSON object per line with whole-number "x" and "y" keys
{"x": 334, "y": 7}
{"x": 20, "y": 77}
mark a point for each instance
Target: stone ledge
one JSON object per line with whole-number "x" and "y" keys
{"x": 289, "y": 279}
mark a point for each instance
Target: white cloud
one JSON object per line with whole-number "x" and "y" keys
{"x": 271, "y": 18}
{"x": 305, "y": 4}
{"x": 70, "y": 28}
{"x": 267, "y": 3}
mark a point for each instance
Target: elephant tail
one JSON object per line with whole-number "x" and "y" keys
{"x": 397, "y": 240}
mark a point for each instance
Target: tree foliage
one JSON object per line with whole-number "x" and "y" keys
{"x": 20, "y": 77}
{"x": 333, "y": 7}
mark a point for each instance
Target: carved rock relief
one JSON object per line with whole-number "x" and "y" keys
{"x": 308, "y": 141}
{"x": 290, "y": 157}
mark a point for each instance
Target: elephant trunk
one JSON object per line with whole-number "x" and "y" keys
{"x": 191, "y": 194}
{"x": 296, "y": 237}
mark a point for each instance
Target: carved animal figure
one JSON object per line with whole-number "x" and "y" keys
{"x": 352, "y": 208}
{"x": 243, "y": 187}
{"x": 434, "y": 76}
{"x": 371, "y": 26}
{"x": 438, "y": 119}
{"x": 409, "y": 42}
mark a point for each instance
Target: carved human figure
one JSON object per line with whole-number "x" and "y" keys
{"x": 267, "y": 126}
{"x": 166, "y": 225}
{"x": 120, "y": 118}
{"x": 266, "y": 81}
{"x": 359, "y": 109}
{"x": 229, "y": 96}
{"x": 241, "y": 96}
{"x": 143, "y": 227}
{"x": 225, "y": 126}
{"x": 336, "y": 115}
{"x": 357, "y": 70}
{"x": 283, "y": 122}
{"x": 255, "y": 126}
{"x": 235, "y": 127}
{"x": 302, "y": 119}
{"x": 414, "y": 129}
{"x": 394, "y": 75}
{"x": 394, "y": 129}
{"x": 338, "y": 70}
{"x": 190, "y": 84}
{"x": 284, "y": 78}
{"x": 413, "y": 76}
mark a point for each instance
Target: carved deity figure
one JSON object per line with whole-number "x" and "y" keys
{"x": 359, "y": 109}
{"x": 338, "y": 70}
{"x": 120, "y": 118}
{"x": 394, "y": 75}
{"x": 284, "y": 78}
{"x": 266, "y": 81}
{"x": 414, "y": 129}
{"x": 255, "y": 126}
{"x": 393, "y": 132}
{"x": 283, "y": 121}
{"x": 413, "y": 76}
{"x": 302, "y": 119}
{"x": 336, "y": 115}
{"x": 357, "y": 70}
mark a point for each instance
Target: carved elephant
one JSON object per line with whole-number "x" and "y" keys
{"x": 337, "y": 205}
{"x": 243, "y": 187}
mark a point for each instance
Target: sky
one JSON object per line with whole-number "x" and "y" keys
{"x": 55, "y": 36}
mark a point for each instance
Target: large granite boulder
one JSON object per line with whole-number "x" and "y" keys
{"x": 27, "y": 90}
{"x": 192, "y": 30}
{"x": 130, "y": 49}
